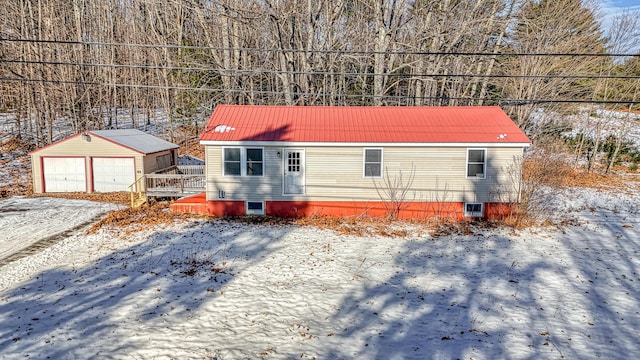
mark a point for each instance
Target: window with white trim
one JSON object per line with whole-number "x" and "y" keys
{"x": 243, "y": 161}
{"x": 254, "y": 162}
{"x": 255, "y": 208}
{"x": 232, "y": 161}
{"x": 372, "y": 162}
{"x": 476, "y": 163}
{"x": 473, "y": 209}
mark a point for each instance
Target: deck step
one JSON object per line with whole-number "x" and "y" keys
{"x": 138, "y": 202}
{"x": 195, "y": 204}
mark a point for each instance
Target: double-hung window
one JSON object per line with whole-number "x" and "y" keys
{"x": 372, "y": 162}
{"x": 476, "y": 163}
{"x": 254, "y": 162}
{"x": 232, "y": 161}
{"x": 243, "y": 161}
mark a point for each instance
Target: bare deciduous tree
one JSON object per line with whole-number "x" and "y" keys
{"x": 92, "y": 63}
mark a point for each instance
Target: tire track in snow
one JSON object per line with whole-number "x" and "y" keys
{"x": 50, "y": 240}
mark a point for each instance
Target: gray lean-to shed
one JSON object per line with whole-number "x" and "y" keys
{"x": 99, "y": 161}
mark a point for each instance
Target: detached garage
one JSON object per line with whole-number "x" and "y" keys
{"x": 99, "y": 161}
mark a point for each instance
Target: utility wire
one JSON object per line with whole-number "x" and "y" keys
{"x": 504, "y": 102}
{"x": 312, "y": 73}
{"x": 313, "y": 51}
{"x": 320, "y": 73}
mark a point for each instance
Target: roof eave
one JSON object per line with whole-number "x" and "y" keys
{"x": 362, "y": 144}
{"x": 174, "y": 146}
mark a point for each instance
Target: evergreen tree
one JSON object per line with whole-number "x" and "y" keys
{"x": 551, "y": 27}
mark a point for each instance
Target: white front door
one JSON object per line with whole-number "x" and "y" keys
{"x": 64, "y": 174}
{"x": 113, "y": 174}
{"x": 293, "y": 172}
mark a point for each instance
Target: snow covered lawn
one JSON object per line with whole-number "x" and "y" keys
{"x": 214, "y": 289}
{"x": 26, "y": 221}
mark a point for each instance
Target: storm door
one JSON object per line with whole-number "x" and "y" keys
{"x": 293, "y": 172}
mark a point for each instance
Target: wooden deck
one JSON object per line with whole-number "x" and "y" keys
{"x": 175, "y": 182}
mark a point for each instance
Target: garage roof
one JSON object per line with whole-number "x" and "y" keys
{"x": 399, "y": 125}
{"x": 135, "y": 139}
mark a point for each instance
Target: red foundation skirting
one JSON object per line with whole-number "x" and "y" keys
{"x": 499, "y": 211}
{"x": 196, "y": 204}
{"x": 413, "y": 210}
{"x": 293, "y": 209}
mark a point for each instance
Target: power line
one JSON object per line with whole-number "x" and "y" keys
{"x": 235, "y": 72}
{"x": 315, "y": 73}
{"x": 503, "y": 102}
{"x": 312, "y": 51}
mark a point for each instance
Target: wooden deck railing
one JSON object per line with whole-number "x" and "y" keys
{"x": 177, "y": 181}
{"x": 183, "y": 170}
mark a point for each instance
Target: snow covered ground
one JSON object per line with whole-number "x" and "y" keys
{"x": 592, "y": 123}
{"x": 214, "y": 289}
{"x": 27, "y": 221}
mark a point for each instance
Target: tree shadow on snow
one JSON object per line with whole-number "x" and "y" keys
{"x": 607, "y": 249}
{"x": 448, "y": 299}
{"x": 64, "y": 312}
{"x": 477, "y": 298}
{"x": 573, "y": 294}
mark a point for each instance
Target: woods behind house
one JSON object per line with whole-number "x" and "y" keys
{"x": 86, "y": 61}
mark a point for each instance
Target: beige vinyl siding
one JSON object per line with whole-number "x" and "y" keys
{"x": 250, "y": 188}
{"x": 36, "y": 174}
{"x": 439, "y": 174}
{"x": 336, "y": 174}
{"x": 499, "y": 183}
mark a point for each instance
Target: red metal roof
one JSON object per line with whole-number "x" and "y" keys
{"x": 361, "y": 124}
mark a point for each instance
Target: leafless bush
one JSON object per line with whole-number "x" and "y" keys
{"x": 394, "y": 191}
{"x": 439, "y": 206}
{"x": 532, "y": 181}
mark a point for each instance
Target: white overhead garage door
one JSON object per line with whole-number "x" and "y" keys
{"x": 113, "y": 174}
{"x": 64, "y": 174}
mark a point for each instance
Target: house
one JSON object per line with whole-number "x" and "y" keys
{"x": 99, "y": 161}
{"x": 408, "y": 162}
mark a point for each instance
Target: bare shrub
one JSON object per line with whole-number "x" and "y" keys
{"x": 394, "y": 191}
{"x": 439, "y": 207}
{"x": 532, "y": 181}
